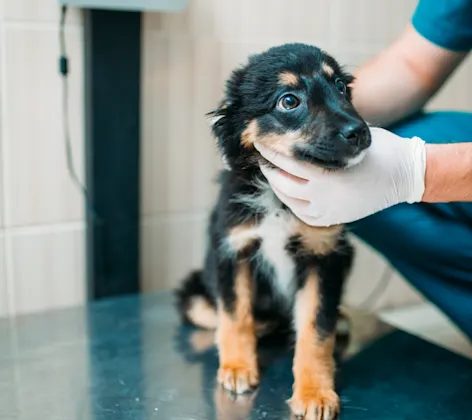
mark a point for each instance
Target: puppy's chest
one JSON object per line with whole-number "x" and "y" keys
{"x": 272, "y": 258}
{"x": 274, "y": 233}
{"x": 274, "y": 230}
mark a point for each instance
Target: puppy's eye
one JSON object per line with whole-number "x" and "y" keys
{"x": 288, "y": 102}
{"x": 341, "y": 86}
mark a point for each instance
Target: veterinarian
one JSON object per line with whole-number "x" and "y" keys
{"x": 411, "y": 196}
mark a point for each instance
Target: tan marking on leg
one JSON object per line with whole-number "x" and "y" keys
{"x": 313, "y": 365}
{"x": 288, "y": 79}
{"x": 327, "y": 69}
{"x": 236, "y": 338}
{"x": 202, "y": 314}
{"x": 319, "y": 240}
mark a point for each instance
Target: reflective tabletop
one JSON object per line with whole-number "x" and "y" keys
{"x": 130, "y": 358}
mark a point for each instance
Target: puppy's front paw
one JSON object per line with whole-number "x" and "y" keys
{"x": 315, "y": 404}
{"x": 238, "y": 379}
{"x": 230, "y": 406}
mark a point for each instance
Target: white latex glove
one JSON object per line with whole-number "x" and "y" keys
{"x": 392, "y": 172}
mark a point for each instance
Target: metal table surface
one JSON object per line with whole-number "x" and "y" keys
{"x": 129, "y": 358}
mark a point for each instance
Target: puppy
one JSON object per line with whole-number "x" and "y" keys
{"x": 265, "y": 270}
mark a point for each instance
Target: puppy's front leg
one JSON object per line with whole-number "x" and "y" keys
{"x": 236, "y": 337}
{"x": 313, "y": 365}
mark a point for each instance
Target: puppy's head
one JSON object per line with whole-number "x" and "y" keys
{"x": 296, "y": 100}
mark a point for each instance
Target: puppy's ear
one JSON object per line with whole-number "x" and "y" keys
{"x": 219, "y": 116}
{"x": 226, "y": 120}
{"x": 219, "y": 113}
{"x": 348, "y": 80}
{"x": 220, "y": 123}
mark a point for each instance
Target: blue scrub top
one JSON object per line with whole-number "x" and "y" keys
{"x": 446, "y": 23}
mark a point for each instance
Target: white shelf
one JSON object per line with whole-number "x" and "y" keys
{"x": 130, "y": 5}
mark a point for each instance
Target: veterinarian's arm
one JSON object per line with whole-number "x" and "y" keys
{"x": 395, "y": 170}
{"x": 401, "y": 79}
{"x": 448, "y": 173}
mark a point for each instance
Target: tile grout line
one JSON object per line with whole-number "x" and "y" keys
{"x": 2, "y": 181}
{"x": 56, "y": 227}
{"x": 78, "y": 224}
{"x": 9, "y": 232}
{"x": 8, "y": 251}
{"x": 38, "y": 25}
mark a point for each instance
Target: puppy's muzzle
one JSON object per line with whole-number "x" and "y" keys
{"x": 338, "y": 147}
{"x": 354, "y": 136}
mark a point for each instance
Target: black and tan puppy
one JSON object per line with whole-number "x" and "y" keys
{"x": 264, "y": 268}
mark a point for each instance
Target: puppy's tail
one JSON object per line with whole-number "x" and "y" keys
{"x": 195, "y": 304}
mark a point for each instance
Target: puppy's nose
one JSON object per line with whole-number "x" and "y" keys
{"x": 355, "y": 133}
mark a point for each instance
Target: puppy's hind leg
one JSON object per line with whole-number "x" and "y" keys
{"x": 236, "y": 335}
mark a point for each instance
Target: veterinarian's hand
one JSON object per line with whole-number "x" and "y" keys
{"x": 392, "y": 172}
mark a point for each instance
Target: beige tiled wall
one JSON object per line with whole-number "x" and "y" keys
{"x": 41, "y": 216}
{"x": 187, "y": 58}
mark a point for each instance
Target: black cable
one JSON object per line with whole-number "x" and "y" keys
{"x": 64, "y": 71}
{"x": 99, "y": 263}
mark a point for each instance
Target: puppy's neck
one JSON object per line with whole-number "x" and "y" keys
{"x": 243, "y": 166}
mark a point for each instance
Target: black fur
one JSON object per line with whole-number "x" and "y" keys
{"x": 252, "y": 93}
{"x": 192, "y": 287}
{"x": 332, "y": 132}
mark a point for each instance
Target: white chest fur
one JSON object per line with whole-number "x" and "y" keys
{"x": 275, "y": 231}
{"x": 276, "y": 227}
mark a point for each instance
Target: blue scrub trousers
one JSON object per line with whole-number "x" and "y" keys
{"x": 430, "y": 244}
